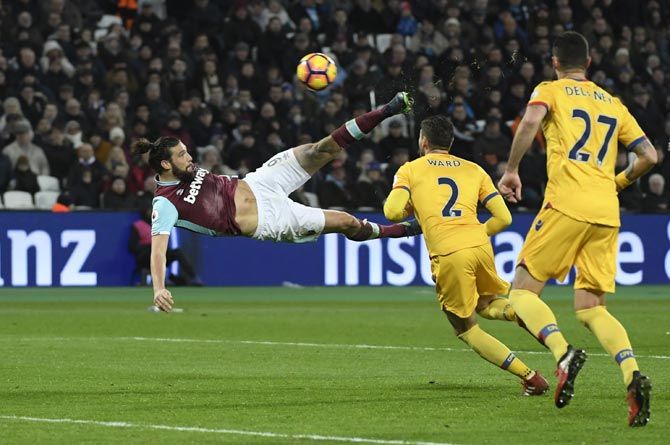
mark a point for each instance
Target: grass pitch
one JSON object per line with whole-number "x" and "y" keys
{"x": 311, "y": 365}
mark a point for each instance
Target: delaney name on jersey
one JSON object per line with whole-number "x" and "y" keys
{"x": 579, "y": 91}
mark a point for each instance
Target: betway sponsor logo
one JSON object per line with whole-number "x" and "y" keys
{"x": 195, "y": 186}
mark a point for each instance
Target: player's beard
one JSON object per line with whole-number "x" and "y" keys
{"x": 186, "y": 175}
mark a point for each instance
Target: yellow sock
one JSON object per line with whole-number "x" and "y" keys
{"x": 539, "y": 320}
{"x": 498, "y": 309}
{"x": 612, "y": 336}
{"x": 492, "y": 350}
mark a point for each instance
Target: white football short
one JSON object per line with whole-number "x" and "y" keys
{"x": 279, "y": 217}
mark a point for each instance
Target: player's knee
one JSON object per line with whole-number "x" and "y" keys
{"x": 587, "y": 299}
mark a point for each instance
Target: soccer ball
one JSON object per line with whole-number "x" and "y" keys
{"x": 316, "y": 71}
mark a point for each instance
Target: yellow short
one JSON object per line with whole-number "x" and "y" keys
{"x": 556, "y": 242}
{"x": 461, "y": 277}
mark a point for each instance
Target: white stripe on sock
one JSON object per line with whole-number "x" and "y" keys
{"x": 354, "y": 130}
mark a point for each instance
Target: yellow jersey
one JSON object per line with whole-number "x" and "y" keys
{"x": 444, "y": 192}
{"x": 583, "y": 126}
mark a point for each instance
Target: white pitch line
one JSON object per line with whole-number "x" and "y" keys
{"x": 194, "y": 429}
{"x": 298, "y": 344}
{"x": 346, "y": 346}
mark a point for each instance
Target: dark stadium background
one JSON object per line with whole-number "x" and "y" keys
{"x": 220, "y": 75}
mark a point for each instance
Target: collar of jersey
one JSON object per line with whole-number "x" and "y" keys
{"x": 166, "y": 183}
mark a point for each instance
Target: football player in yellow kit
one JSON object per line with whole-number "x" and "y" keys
{"x": 579, "y": 221}
{"x": 443, "y": 192}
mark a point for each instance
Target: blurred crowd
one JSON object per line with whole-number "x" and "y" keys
{"x": 81, "y": 79}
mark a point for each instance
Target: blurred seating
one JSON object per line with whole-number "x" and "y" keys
{"x": 15, "y": 200}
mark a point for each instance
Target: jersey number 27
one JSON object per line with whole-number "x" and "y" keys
{"x": 576, "y": 153}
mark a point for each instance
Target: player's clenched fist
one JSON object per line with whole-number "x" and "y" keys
{"x": 510, "y": 186}
{"x": 163, "y": 300}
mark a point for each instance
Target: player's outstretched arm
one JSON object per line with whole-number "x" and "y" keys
{"x": 162, "y": 296}
{"x": 645, "y": 161}
{"x": 510, "y": 184}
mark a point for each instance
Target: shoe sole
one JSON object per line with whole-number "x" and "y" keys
{"x": 642, "y": 416}
{"x": 565, "y": 392}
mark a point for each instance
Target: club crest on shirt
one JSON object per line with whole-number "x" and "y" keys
{"x": 154, "y": 215}
{"x": 538, "y": 225}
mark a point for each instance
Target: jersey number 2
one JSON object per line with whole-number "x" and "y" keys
{"x": 448, "y": 210}
{"x": 576, "y": 154}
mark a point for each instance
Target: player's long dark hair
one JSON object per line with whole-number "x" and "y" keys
{"x": 159, "y": 150}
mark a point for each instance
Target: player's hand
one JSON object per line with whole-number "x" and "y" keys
{"x": 163, "y": 300}
{"x": 510, "y": 186}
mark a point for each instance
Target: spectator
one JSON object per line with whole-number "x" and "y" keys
{"x": 210, "y": 160}
{"x": 400, "y": 156}
{"x": 175, "y": 129}
{"x": 74, "y": 133}
{"x": 656, "y": 200}
{"x": 59, "y": 153}
{"x": 491, "y": 146}
{"x": 113, "y": 81}
{"x": 335, "y": 192}
{"x": 11, "y": 113}
{"x": 23, "y": 146}
{"x": 5, "y": 172}
{"x": 26, "y": 180}
{"x": 359, "y": 83}
{"x": 394, "y": 141}
{"x": 118, "y": 197}
{"x": 203, "y": 128}
{"x": 372, "y": 189}
{"x": 116, "y": 163}
{"x": 53, "y": 52}
{"x": 241, "y": 28}
{"x": 246, "y": 155}
{"x": 271, "y": 44}
{"x": 407, "y": 25}
{"x": 428, "y": 40}
{"x": 63, "y": 204}
{"x": 139, "y": 245}
{"x": 86, "y": 163}
{"x": 85, "y": 189}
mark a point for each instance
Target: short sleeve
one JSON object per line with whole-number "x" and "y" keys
{"x": 487, "y": 190}
{"x": 630, "y": 133}
{"x": 401, "y": 178}
{"x": 163, "y": 217}
{"x": 542, "y": 95}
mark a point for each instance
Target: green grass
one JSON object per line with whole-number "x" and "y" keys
{"x": 71, "y": 353}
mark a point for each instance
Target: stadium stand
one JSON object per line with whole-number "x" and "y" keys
{"x": 221, "y": 74}
{"x": 17, "y": 200}
{"x": 44, "y": 200}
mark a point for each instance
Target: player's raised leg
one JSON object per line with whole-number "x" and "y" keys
{"x": 362, "y": 230}
{"x": 495, "y": 307}
{"x": 459, "y": 277}
{"x": 313, "y": 157}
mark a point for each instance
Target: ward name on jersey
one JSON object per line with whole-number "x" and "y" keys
{"x": 583, "y": 127}
{"x": 445, "y": 191}
{"x": 205, "y": 205}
